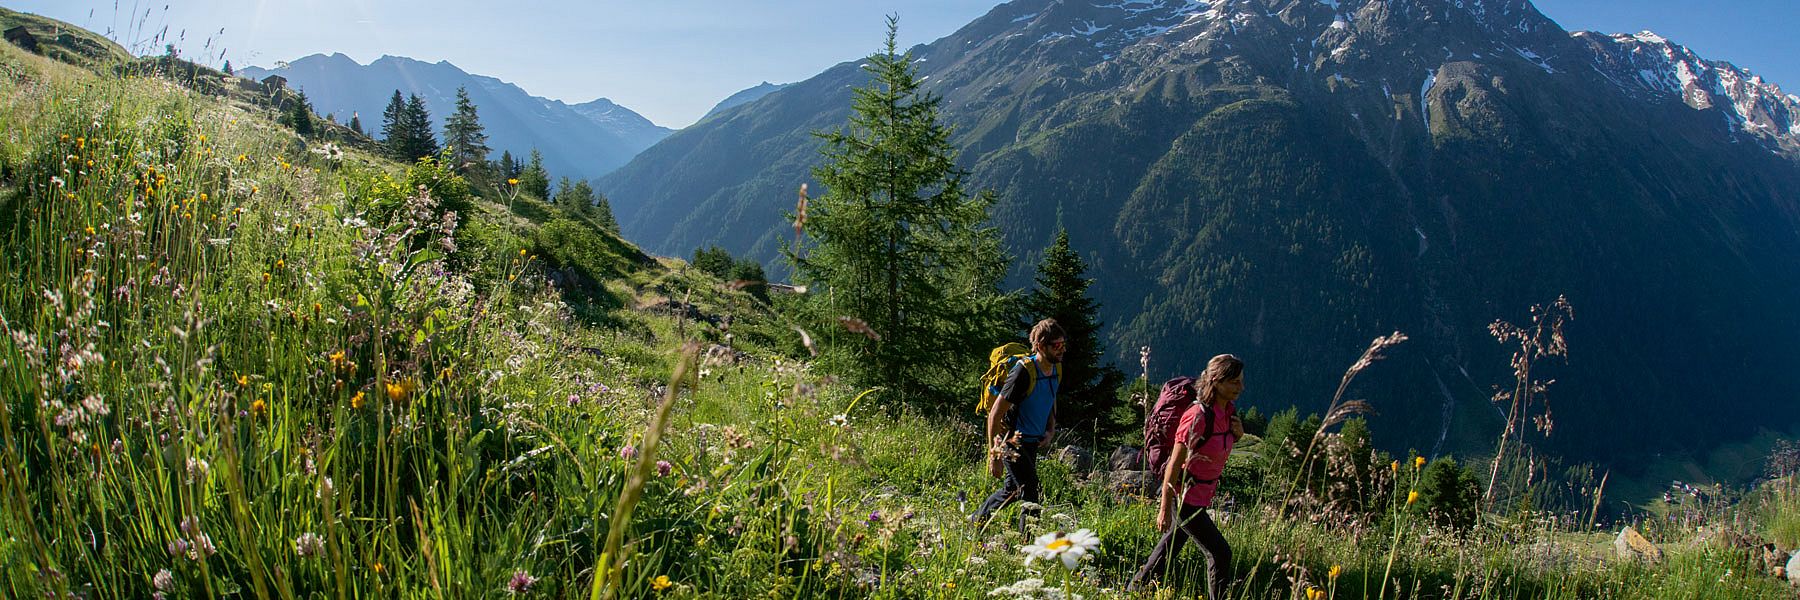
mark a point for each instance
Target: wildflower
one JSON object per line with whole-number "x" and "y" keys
{"x": 663, "y": 468}
{"x": 628, "y": 452}
{"x": 1336, "y": 570}
{"x": 243, "y": 380}
{"x": 204, "y": 546}
{"x": 309, "y": 545}
{"x": 399, "y": 391}
{"x": 379, "y": 569}
{"x": 662, "y": 581}
{"x": 259, "y": 407}
{"x": 1394, "y": 466}
{"x": 521, "y": 582}
{"x": 512, "y": 182}
{"x": 1313, "y": 593}
{"x": 838, "y": 421}
{"x": 1418, "y": 462}
{"x": 1071, "y": 548}
{"x": 163, "y": 581}
{"x": 1411, "y": 497}
{"x": 357, "y": 400}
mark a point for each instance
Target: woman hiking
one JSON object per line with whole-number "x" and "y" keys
{"x": 1208, "y": 431}
{"x": 1025, "y": 413}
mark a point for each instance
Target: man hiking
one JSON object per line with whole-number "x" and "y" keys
{"x": 1208, "y": 431}
{"x": 1023, "y": 419}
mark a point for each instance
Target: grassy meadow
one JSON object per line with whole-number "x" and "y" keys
{"x": 240, "y": 363}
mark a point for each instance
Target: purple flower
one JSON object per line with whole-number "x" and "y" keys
{"x": 875, "y": 517}
{"x": 521, "y": 582}
{"x": 663, "y": 468}
{"x": 574, "y": 400}
{"x": 629, "y": 452}
{"x": 164, "y": 580}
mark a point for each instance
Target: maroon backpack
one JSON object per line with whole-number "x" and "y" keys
{"x": 1161, "y": 424}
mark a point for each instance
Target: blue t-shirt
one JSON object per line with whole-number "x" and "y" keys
{"x": 1031, "y": 415}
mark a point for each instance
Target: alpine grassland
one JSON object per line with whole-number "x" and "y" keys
{"x": 243, "y": 363}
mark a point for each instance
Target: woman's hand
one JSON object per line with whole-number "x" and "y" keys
{"x": 1237, "y": 427}
{"x": 1162, "y": 519}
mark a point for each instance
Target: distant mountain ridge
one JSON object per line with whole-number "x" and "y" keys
{"x": 581, "y": 141}
{"x": 1286, "y": 179}
{"x": 745, "y": 96}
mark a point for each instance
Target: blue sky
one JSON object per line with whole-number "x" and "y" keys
{"x": 671, "y": 60}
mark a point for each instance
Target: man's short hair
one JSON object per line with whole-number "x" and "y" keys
{"x": 1044, "y": 332}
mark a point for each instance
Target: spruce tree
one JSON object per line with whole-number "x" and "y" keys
{"x": 534, "y": 180}
{"x": 356, "y": 124}
{"x": 300, "y": 115}
{"x": 418, "y": 123}
{"x": 905, "y": 268}
{"x": 603, "y": 214}
{"x": 1090, "y": 389}
{"x": 508, "y": 168}
{"x": 227, "y": 69}
{"x": 393, "y": 126}
{"x": 464, "y": 135}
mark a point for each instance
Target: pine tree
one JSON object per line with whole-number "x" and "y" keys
{"x": 898, "y": 244}
{"x": 465, "y": 136}
{"x": 228, "y": 70}
{"x": 1091, "y": 389}
{"x": 534, "y": 180}
{"x": 356, "y": 124}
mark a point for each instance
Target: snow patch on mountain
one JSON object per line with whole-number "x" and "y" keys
{"x": 1650, "y": 66}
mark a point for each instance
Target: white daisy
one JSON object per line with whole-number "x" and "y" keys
{"x": 1071, "y": 548}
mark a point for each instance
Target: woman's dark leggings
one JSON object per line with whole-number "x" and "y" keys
{"x": 1021, "y": 484}
{"x": 1196, "y": 524}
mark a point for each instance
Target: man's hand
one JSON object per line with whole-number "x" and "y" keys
{"x": 1049, "y": 434}
{"x": 996, "y": 468}
{"x": 1237, "y": 427}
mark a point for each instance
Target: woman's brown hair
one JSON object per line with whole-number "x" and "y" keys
{"x": 1221, "y": 368}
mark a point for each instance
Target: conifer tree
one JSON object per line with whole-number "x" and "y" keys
{"x": 418, "y": 124}
{"x": 508, "y": 168}
{"x": 464, "y": 135}
{"x": 300, "y": 114}
{"x": 393, "y": 126}
{"x": 227, "y": 69}
{"x": 356, "y": 124}
{"x": 603, "y": 214}
{"x": 906, "y": 267}
{"x": 1090, "y": 389}
{"x": 534, "y": 179}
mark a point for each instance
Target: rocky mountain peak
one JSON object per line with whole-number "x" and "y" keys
{"x": 1651, "y": 67}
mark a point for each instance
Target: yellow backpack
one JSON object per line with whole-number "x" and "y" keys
{"x": 1000, "y": 363}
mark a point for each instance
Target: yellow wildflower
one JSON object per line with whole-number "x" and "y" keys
{"x": 1313, "y": 593}
{"x": 259, "y": 408}
{"x": 280, "y": 264}
{"x": 265, "y": 276}
{"x": 661, "y": 582}
{"x": 243, "y": 157}
{"x": 512, "y": 182}
{"x": 521, "y": 252}
{"x": 357, "y": 400}
{"x": 1395, "y": 466}
{"x": 90, "y": 231}
{"x": 399, "y": 391}
{"x": 1418, "y": 462}
{"x": 1336, "y": 570}
{"x": 1411, "y": 497}
{"x": 243, "y": 380}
